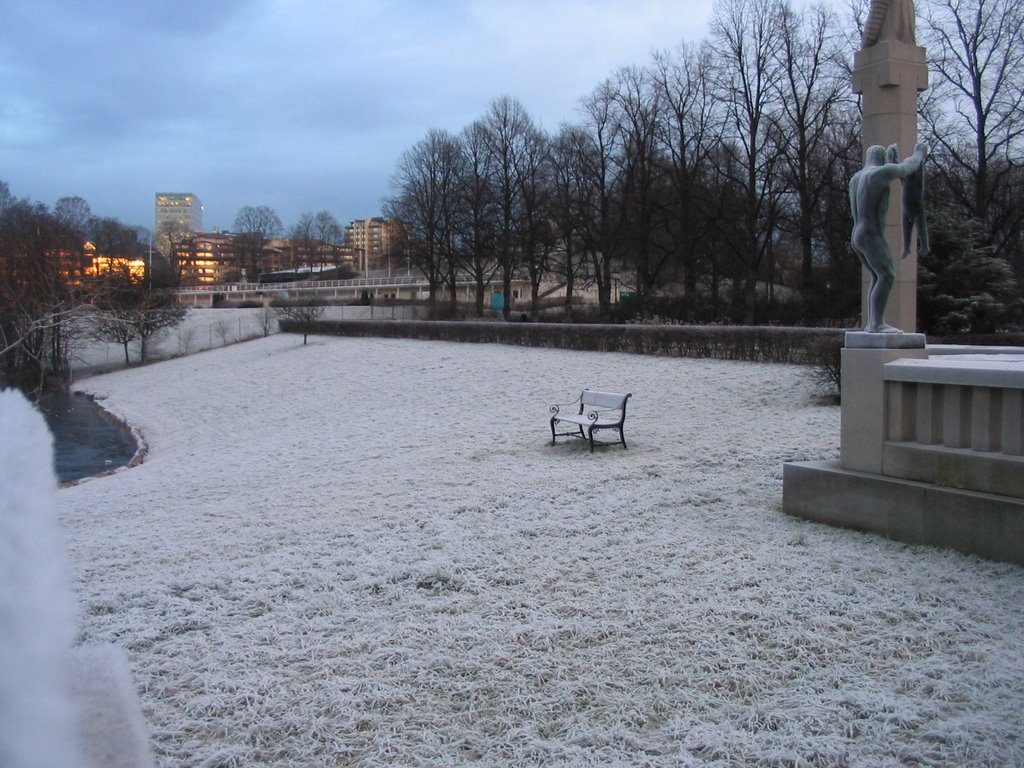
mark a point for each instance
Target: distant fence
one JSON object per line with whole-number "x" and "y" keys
{"x": 188, "y": 338}
{"x": 755, "y": 343}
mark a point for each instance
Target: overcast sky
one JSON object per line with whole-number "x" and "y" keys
{"x": 301, "y": 105}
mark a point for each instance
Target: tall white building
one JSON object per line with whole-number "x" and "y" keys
{"x": 178, "y": 214}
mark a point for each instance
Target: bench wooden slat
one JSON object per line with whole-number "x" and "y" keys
{"x": 603, "y": 399}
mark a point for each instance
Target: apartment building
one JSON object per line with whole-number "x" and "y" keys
{"x": 178, "y": 215}
{"x": 206, "y": 258}
{"x": 371, "y": 241}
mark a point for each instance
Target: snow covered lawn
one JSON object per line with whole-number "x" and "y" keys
{"x": 365, "y": 552}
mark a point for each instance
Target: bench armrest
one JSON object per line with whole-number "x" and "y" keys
{"x": 593, "y": 413}
{"x": 557, "y": 407}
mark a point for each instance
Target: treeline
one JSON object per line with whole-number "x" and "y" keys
{"x": 710, "y": 184}
{"x": 55, "y": 292}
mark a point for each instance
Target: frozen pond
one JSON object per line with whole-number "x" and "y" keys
{"x": 86, "y": 439}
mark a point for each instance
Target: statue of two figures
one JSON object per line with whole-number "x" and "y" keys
{"x": 869, "y": 187}
{"x": 869, "y": 200}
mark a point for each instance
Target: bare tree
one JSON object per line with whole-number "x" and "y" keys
{"x": 117, "y": 247}
{"x": 186, "y": 337}
{"x": 508, "y": 130}
{"x": 223, "y": 330}
{"x": 302, "y": 312}
{"x": 975, "y": 110}
{"x": 39, "y": 258}
{"x": 304, "y": 242}
{"x": 813, "y": 87}
{"x": 604, "y": 221}
{"x": 643, "y": 178}
{"x": 747, "y": 38}
{"x": 690, "y": 130}
{"x": 477, "y": 213}
{"x": 74, "y": 213}
{"x": 174, "y": 238}
{"x": 536, "y": 236}
{"x": 254, "y": 227}
{"x": 426, "y": 201}
{"x": 129, "y": 313}
{"x": 114, "y": 326}
{"x": 155, "y": 314}
{"x": 315, "y": 240}
{"x": 569, "y": 206}
{"x": 330, "y": 235}
{"x": 266, "y": 319}
{"x": 840, "y": 293}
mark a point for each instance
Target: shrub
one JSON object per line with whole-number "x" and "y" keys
{"x": 825, "y": 358}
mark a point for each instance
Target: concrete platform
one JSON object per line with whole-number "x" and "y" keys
{"x": 982, "y": 524}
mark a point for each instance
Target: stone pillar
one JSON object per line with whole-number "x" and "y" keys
{"x": 889, "y": 75}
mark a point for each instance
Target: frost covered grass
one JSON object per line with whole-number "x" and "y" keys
{"x": 365, "y": 552}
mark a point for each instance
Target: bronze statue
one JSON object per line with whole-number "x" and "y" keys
{"x": 869, "y": 200}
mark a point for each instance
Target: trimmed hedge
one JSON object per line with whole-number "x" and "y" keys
{"x": 1013, "y": 339}
{"x": 754, "y": 343}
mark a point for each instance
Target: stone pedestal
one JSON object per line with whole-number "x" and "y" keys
{"x": 931, "y": 448}
{"x": 888, "y": 76}
{"x": 862, "y": 430}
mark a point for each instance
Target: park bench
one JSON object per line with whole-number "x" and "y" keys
{"x": 590, "y": 412}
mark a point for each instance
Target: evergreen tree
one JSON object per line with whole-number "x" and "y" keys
{"x": 963, "y": 286}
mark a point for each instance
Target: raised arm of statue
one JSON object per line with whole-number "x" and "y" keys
{"x": 890, "y": 20}
{"x": 892, "y": 169}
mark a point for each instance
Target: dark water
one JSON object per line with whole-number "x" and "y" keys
{"x": 86, "y": 440}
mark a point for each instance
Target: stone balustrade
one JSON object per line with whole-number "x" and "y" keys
{"x": 956, "y": 421}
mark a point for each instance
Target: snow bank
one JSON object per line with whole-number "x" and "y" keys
{"x": 38, "y": 725}
{"x": 365, "y": 552}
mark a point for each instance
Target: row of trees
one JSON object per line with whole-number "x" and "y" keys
{"x": 717, "y": 173}
{"x": 54, "y": 292}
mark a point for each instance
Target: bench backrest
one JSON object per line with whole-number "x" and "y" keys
{"x": 603, "y": 399}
